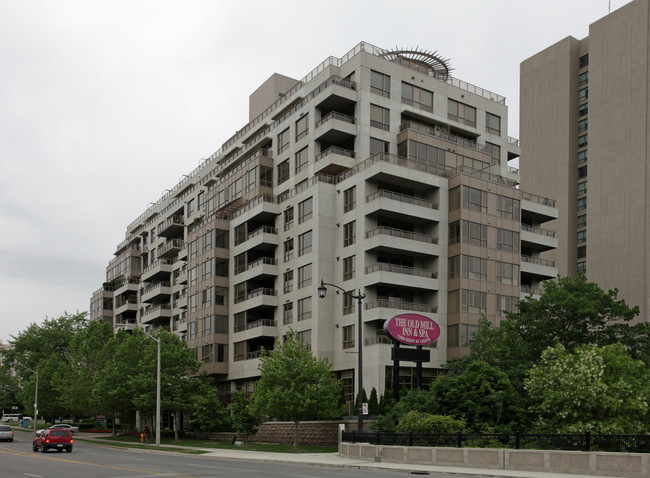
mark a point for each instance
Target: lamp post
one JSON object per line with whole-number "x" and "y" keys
{"x": 322, "y": 291}
{"x": 35, "y": 392}
{"x": 157, "y": 340}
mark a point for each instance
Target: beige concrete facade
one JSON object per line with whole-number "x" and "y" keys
{"x": 376, "y": 173}
{"x": 584, "y": 133}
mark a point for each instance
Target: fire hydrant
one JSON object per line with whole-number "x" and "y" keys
{"x": 141, "y": 437}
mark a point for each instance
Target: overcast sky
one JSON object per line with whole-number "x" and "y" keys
{"x": 106, "y": 104}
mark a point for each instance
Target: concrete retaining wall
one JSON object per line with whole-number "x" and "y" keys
{"x": 627, "y": 465}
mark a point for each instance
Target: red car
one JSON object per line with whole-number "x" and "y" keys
{"x": 56, "y": 439}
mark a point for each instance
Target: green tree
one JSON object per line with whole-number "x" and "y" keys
{"x": 373, "y": 402}
{"x": 422, "y": 422}
{"x": 244, "y": 418}
{"x": 294, "y": 385}
{"x": 208, "y": 414}
{"x": 596, "y": 389}
{"x": 481, "y": 395}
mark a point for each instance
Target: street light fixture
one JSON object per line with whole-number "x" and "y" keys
{"x": 322, "y": 292}
{"x": 35, "y": 392}
{"x": 157, "y": 340}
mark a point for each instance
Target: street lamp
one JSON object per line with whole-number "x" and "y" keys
{"x": 322, "y": 291}
{"x": 35, "y": 393}
{"x": 157, "y": 340}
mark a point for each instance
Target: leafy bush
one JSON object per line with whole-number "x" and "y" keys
{"x": 421, "y": 422}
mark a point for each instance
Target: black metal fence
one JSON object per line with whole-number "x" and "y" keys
{"x": 528, "y": 441}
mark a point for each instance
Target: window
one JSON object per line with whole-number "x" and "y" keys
{"x": 302, "y": 160}
{"x": 237, "y": 188}
{"x": 304, "y": 276}
{"x": 207, "y": 241}
{"x": 206, "y": 297}
{"x": 494, "y": 150}
{"x": 192, "y": 330}
{"x": 582, "y": 237}
{"x": 583, "y": 125}
{"x": 506, "y": 304}
{"x": 583, "y": 94}
{"x": 452, "y": 335}
{"x": 349, "y": 268}
{"x": 454, "y": 267}
{"x": 462, "y": 113}
{"x": 426, "y": 153}
{"x": 582, "y": 188}
{"x": 582, "y": 141}
{"x": 454, "y": 232}
{"x": 583, "y": 61}
{"x": 266, "y": 176}
{"x": 305, "y": 210}
{"x": 582, "y": 221}
{"x": 348, "y": 303}
{"x": 454, "y": 198}
{"x": 418, "y": 97}
{"x": 193, "y": 275}
{"x": 222, "y": 197}
{"x": 305, "y": 337}
{"x": 221, "y": 325}
{"x": 493, "y": 124}
{"x": 507, "y": 240}
{"x": 206, "y": 326}
{"x": 475, "y": 233}
{"x": 283, "y": 171}
{"x": 287, "y": 313}
{"x": 251, "y": 179}
{"x": 582, "y": 267}
{"x": 379, "y": 117}
{"x": 508, "y": 207}
{"x": 379, "y": 83}
{"x": 304, "y": 243}
{"x": 583, "y": 78}
{"x": 207, "y": 353}
{"x": 288, "y": 281}
{"x": 302, "y": 127}
{"x": 582, "y": 204}
{"x": 193, "y": 302}
{"x": 304, "y": 309}
{"x": 348, "y": 337}
{"x": 378, "y": 146}
{"x": 582, "y": 252}
{"x": 473, "y": 301}
{"x": 582, "y": 172}
{"x": 283, "y": 140}
{"x": 288, "y": 218}
{"x": 453, "y": 301}
{"x": 507, "y": 273}
{"x": 206, "y": 271}
{"x": 474, "y": 199}
{"x": 193, "y": 249}
{"x": 474, "y": 268}
{"x": 349, "y": 233}
{"x": 582, "y": 156}
{"x": 583, "y": 109}
{"x": 288, "y": 250}
{"x": 349, "y": 199}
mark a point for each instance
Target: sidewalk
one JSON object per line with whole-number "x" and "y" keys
{"x": 336, "y": 461}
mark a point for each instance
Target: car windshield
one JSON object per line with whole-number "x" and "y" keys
{"x": 59, "y": 433}
{"x": 5, "y": 428}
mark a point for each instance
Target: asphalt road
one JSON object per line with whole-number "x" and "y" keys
{"x": 88, "y": 460}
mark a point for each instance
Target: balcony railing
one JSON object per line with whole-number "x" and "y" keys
{"x": 256, "y": 232}
{"x": 391, "y": 231}
{"x": 251, "y": 265}
{"x": 544, "y": 201}
{"x": 255, "y": 293}
{"x": 378, "y": 339}
{"x": 169, "y": 245}
{"x": 537, "y": 260}
{"x": 157, "y": 263}
{"x": 537, "y": 230}
{"x": 442, "y": 134}
{"x": 157, "y": 285}
{"x": 255, "y": 324}
{"x": 335, "y": 115}
{"x": 403, "y": 198}
{"x": 335, "y": 150}
{"x": 531, "y": 290}
{"x": 156, "y": 308}
{"x": 399, "y": 304}
{"x": 398, "y": 269}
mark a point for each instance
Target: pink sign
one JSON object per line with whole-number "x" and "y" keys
{"x": 412, "y": 329}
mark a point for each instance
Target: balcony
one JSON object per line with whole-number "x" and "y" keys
{"x": 264, "y": 237}
{"x": 394, "y": 274}
{"x": 172, "y": 227}
{"x": 334, "y": 160}
{"x": 537, "y": 238}
{"x": 129, "y": 285}
{"x": 264, "y": 266}
{"x": 159, "y": 291}
{"x": 156, "y": 313}
{"x": 382, "y": 309}
{"x": 538, "y": 268}
{"x": 388, "y": 238}
{"x": 397, "y": 205}
{"x": 123, "y": 306}
{"x": 170, "y": 248}
{"x": 335, "y": 128}
{"x": 157, "y": 269}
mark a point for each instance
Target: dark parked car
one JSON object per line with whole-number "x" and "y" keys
{"x": 49, "y": 439}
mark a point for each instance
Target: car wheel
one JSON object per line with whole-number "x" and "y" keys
{"x": 34, "y": 447}
{"x": 43, "y": 449}
{"x": 11, "y": 439}
{"x": 68, "y": 450}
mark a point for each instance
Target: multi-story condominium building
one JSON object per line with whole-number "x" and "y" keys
{"x": 584, "y": 121}
{"x": 378, "y": 172}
